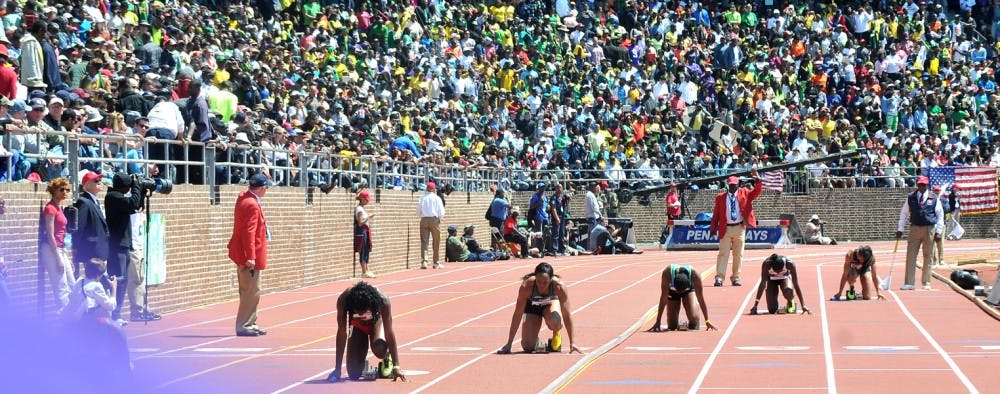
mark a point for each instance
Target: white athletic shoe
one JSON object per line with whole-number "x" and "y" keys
{"x": 927, "y": 285}
{"x": 423, "y": 265}
{"x": 438, "y": 265}
{"x": 907, "y": 287}
{"x": 369, "y": 274}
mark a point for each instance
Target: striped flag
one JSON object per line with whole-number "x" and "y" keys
{"x": 773, "y": 180}
{"x": 977, "y": 187}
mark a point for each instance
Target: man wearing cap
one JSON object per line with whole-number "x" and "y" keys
{"x": 925, "y": 213}
{"x": 732, "y": 214}
{"x": 248, "y": 249}
{"x": 430, "y": 209}
{"x": 814, "y": 232}
{"x": 91, "y": 237}
{"x": 538, "y": 208}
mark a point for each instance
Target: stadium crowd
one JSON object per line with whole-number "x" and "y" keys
{"x": 640, "y": 92}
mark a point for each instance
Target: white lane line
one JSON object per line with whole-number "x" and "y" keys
{"x": 326, "y": 295}
{"x": 659, "y": 348}
{"x": 882, "y": 348}
{"x": 598, "y": 351}
{"x": 891, "y": 369}
{"x": 467, "y": 321}
{"x": 772, "y": 348}
{"x": 227, "y": 338}
{"x": 986, "y": 347}
{"x": 231, "y": 349}
{"x": 951, "y": 363}
{"x": 765, "y": 388}
{"x": 722, "y": 341}
{"x": 143, "y": 349}
{"x": 831, "y": 377}
{"x": 445, "y": 349}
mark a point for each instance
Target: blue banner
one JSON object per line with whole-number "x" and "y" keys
{"x": 700, "y": 235}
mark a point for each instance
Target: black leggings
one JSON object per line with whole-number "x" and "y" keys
{"x": 773, "y": 286}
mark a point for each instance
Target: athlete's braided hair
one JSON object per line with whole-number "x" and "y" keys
{"x": 542, "y": 268}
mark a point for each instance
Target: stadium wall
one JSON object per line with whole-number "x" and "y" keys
{"x": 313, "y": 243}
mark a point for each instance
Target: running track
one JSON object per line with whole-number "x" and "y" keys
{"x": 450, "y": 322}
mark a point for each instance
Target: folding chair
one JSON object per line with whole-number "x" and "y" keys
{"x": 498, "y": 241}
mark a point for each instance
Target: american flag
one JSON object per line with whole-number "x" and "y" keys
{"x": 977, "y": 187}
{"x": 773, "y": 180}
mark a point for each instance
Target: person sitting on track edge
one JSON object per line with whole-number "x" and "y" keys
{"x": 859, "y": 264}
{"x": 369, "y": 314}
{"x": 778, "y": 273}
{"x": 676, "y": 285}
{"x": 542, "y": 296}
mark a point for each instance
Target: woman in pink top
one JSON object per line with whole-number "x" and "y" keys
{"x": 52, "y": 252}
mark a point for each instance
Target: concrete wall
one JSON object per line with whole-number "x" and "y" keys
{"x": 312, "y": 243}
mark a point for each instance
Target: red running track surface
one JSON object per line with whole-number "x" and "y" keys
{"x": 450, "y": 322}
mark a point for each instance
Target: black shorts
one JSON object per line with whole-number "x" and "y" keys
{"x": 677, "y": 296}
{"x": 535, "y": 309}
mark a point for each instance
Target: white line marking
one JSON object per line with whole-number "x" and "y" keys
{"x": 773, "y": 348}
{"x": 882, "y": 348}
{"x": 212, "y": 342}
{"x": 326, "y": 295}
{"x": 659, "y": 348}
{"x": 722, "y": 341}
{"x": 231, "y": 349}
{"x": 467, "y": 321}
{"x": 987, "y": 347}
{"x": 143, "y": 349}
{"x": 951, "y": 363}
{"x": 892, "y": 369}
{"x": 584, "y": 359}
{"x": 409, "y": 372}
{"x": 445, "y": 349}
{"x": 831, "y": 377}
{"x": 765, "y": 388}
{"x": 328, "y": 349}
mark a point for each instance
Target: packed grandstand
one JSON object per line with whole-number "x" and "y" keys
{"x": 638, "y": 93}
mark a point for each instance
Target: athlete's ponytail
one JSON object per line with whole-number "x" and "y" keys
{"x": 542, "y": 268}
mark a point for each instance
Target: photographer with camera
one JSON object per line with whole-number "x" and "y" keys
{"x": 123, "y": 200}
{"x": 814, "y": 232}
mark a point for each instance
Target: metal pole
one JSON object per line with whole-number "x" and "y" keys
{"x": 73, "y": 163}
{"x": 209, "y": 175}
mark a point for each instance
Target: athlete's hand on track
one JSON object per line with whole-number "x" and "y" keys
{"x": 654, "y": 328}
{"x": 504, "y": 350}
{"x": 805, "y": 309}
{"x": 334, "y": 376}
{"x": 753, "y": 309}
{"x": 573, "y": 348}
{"x": 398, "y": 374}
{"x": 710, "y": 326}
{"x": 881, "y": 297}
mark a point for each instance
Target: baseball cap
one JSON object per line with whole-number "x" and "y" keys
{"x": 733, "y": 180}
{"x": 88, "y": 177}
{"x": 431, "y": 186}
{"x": 813, "y": 217}
{"x": 56, "y": 99}
{"x": 453, "y": 229}
{"x": 37, "y": 103}
{"x": 923, "y": 181}
{"x": 258, "y": 180}
{"x": 365, "y": 195}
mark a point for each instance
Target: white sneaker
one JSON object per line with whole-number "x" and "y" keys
{"x": 438, "y": 265}
{"x": 369, "y": 274}
{"x": 423, "y": 265}
{"x": 927, "y": 285}
{"x": 906, "y": 287}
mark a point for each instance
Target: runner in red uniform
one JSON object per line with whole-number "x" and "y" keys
{"x": 369, "y": 315}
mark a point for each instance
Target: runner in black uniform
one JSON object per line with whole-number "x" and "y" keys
{"x": 367, "y": 312}
{"x": 859, "y": 264}
{"x": 542, "y": 296}
{"x": 778, "y": 273}
{"x": 676, "y": 285}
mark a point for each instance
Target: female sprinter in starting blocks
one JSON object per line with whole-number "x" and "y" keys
{"x": 859, "y": 265}
{"x": 367, "y": 311}
{"x": 778, "y": 273}
{"x": 676, "y": 285}
{"x": 542, "y": 296}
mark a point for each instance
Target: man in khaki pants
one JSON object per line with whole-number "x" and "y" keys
{"x": 926, "y": 216}
{"x": 732, "y": 214}
{"x": 248, "y": 249}
{"x": 430, "y": 209}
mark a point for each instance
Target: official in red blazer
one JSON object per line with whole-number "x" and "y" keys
{"x": 732, "y": 214}
{"x": 248, "y": 249}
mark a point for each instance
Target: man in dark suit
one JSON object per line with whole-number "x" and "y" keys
{"x": 248, "y": 249}
{"x": 90, "y": 239}
{"x": 123, "y": 201}
{"x": 732, "y": 214}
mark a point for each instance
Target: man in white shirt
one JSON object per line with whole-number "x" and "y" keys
{"x": 592, "y": 207}
{"x": 431, "y": 211}
{"x": 165, "y": 123}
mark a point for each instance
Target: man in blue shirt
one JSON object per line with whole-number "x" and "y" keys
{"x": 498, "y": 210}
{"x": 558, "y": 205}
{"x": 404, "y": 142}
{"x": 538, "y": 207}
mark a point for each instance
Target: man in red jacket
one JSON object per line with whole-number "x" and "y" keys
{"x": 248, "y": 249}
{"x": 732, "y": 214}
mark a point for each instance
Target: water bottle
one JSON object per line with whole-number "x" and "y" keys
{"x": 68, "y": 240}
